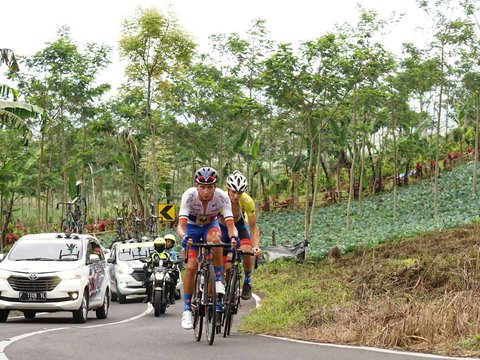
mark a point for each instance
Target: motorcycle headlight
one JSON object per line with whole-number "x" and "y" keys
{"x": 159, "y": 275}
{"x": 71, "y": 275}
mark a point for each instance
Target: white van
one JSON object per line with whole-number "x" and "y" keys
{"x": 55, "y": 272}
{"x": 126, "y": 260}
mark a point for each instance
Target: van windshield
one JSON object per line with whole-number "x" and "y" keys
{"x": 135, "y": 251}
{"x": 46, "y": 250}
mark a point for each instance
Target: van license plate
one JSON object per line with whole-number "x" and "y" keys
{"x": 32, "y": 296}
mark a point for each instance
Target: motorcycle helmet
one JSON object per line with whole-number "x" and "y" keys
{"x": 159, "y": 244}
{"x": 206, "y": 176}
{"x": 236, "y": 181}
{"x": 170, "y": 237}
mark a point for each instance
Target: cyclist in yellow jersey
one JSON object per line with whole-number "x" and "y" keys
{"x": 243, "y": 206}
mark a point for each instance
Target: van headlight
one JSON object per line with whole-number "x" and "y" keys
{"x": 4, "y": 274}
{"x": 125, "y": 269}
{"x": 70, "y": 275}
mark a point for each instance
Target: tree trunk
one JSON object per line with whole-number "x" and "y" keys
{"x": 39, "y": 182}
{"x": 395, "y": 170}
{"x": 437, "y": 145}
{"x": 352, "y": 170}
{"x": 317, "y": 177}
{"x": 8, "y": 214}
{"x": 475, "y": 163}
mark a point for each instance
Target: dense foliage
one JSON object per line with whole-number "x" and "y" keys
{"x": 372, "y": 219}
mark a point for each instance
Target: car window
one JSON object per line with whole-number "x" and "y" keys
{"x": 95, "y": 248}
{"x": 47, "y": 250}
{"x": 134, "y": 251}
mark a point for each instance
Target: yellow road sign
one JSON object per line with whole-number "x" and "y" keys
{"x": 166, "y": 212}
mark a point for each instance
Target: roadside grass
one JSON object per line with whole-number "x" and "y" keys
{"x": 418, "y": 294}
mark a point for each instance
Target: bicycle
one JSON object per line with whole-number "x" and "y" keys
{"x": 152, "y": 225}
{"x": 120, "y": 229}
{"x": 137, "y": 223}
{"x": 75, "y": 213}
{"x": 233, "y": 282}
{"x": 204, "y": 297}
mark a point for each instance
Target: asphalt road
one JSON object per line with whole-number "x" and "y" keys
{"x": 132, "y": 332}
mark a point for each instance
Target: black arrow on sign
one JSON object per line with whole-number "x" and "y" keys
{"x": 164, "y": 212}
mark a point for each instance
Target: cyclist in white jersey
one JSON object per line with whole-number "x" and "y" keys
{"x": 197, "y": 221}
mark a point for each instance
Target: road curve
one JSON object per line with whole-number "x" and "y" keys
{"x": 131, "y": 331}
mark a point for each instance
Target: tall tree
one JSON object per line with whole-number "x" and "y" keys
{"x": 156, "y": 50}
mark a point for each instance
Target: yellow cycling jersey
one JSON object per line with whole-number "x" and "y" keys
{"x": 247, "y": 205}
{"x": 247, "y": 208}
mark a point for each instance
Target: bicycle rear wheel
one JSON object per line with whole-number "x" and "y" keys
{"x": 231, "y": 302}
{"x": 65, "y": 227}
{"x": 197, "y": 308}
{"x": 80, "y": 216}
{"x": 210, "y": 299}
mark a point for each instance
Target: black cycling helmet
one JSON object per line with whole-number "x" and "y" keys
{"x": 206, "y": 176}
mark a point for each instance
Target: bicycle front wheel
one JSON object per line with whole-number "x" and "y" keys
{"x": 231, "y": 302}
{"x": 210, "y": 299}
{"x": 197, "y": 308}
{"x": 65, "y": 226}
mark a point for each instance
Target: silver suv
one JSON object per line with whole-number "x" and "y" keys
{"x": 55, "y": 272}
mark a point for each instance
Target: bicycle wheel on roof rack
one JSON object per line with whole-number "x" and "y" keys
{"x": 197, "y": 307}
{"x": 65, "y": 227}
{"x": 82, "y": 216}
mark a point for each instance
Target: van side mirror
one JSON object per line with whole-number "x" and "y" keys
{"x": 111, "y": 260}
{"x": 94, "y": 258}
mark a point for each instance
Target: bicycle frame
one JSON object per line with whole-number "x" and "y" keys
{"x": 75, "y": 216}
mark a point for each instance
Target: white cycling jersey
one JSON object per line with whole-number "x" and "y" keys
{"x": 192, "y": 207}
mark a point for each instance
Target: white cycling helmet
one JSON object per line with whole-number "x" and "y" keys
{"x": 237, "y": 182}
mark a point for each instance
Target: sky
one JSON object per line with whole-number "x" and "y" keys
{"x": 27, "y": 25}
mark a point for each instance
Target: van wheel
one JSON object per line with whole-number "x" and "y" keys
{"x": 113, "y": 296}
{"x": 4, "y": 315}
{"x": 102, "y": 312}
{"x": 80, "y": 315}
{"x": 29, "y": 314}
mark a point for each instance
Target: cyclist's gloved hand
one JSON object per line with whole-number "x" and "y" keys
{"x": 234, "y": 241}
{"x": 186, "y": 241}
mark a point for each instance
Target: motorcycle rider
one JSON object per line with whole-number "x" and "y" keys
{"x": 170, "y": 248}
{"x": 159, "y": 244}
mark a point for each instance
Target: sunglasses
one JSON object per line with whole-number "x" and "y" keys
{"x": 208, "y": 180}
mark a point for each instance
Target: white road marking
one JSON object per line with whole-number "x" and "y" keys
{"x": 5, "y": 343}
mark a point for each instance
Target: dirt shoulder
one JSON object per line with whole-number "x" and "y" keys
{"x": 419, "y": 294}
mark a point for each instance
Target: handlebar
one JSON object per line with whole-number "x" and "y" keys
{"x": 210, "y": 245}
{"x": 207, "y": 245}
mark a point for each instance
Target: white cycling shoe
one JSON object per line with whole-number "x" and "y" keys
{"x": 219, "y": 288}
{"x": 187, "y": 320}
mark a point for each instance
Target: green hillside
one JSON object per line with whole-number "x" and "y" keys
{"x": 372, "y": 220}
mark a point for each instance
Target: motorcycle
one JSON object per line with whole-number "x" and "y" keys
{"x": 161, "y": 282}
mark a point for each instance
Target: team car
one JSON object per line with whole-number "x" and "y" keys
{"x": 126, "y": 261}
{"x": 127, "y": 276}
{"x": 52, "y": 272}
